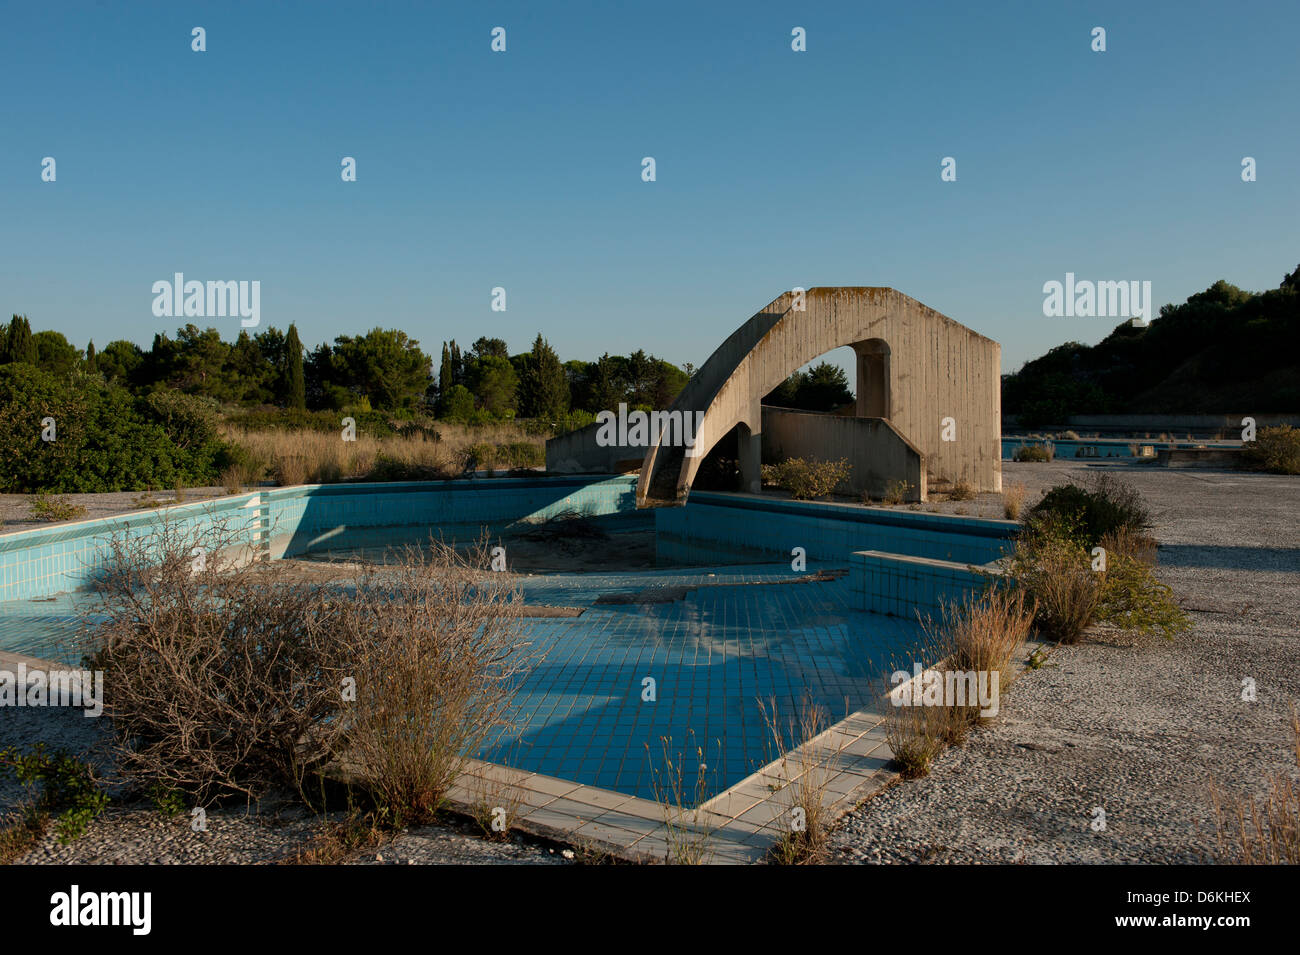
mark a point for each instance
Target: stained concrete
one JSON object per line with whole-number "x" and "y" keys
{"x": 916, "y": 370}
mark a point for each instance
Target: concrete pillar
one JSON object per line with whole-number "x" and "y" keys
{"x": 750, "y": 446}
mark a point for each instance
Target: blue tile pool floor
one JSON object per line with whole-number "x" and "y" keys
{"x": 713, "y": 654}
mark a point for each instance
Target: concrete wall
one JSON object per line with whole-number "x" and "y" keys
{"x": 578, "y": 453}
{"x": 1223, "y": 458}
{"x": 936, "y": 369}
{"x": 876, "y": 452}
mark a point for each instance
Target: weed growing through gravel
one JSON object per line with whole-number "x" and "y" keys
{"x": 495, "y": 807}
{"x": 896, "y": 492}
{"x": 1262, "y": 830}
{"x": 67, "y": 789}
{"x": 47, "y": 508}
{"x": 1013, "y": 499}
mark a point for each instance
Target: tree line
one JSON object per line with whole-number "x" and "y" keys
{"x": 384, "y": 370}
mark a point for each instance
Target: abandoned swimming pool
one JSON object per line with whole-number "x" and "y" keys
{"x": 683, "y": 651}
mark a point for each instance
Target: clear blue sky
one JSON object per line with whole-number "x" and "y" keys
{"x": 775, "y": 169}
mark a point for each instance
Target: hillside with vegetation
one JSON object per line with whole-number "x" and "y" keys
{"x": 1224, "y": 350}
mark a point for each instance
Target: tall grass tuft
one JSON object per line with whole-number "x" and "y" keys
{"x": 1262, "y": 830}
{"x": 687, "y": 827}
{"x": 806, "y": 766}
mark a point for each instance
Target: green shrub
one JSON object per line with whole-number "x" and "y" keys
{"x": 807, "y": 479}
{"x": 1274, "y": 449}
{"x": 457, "y": 404}
{"x": 1109, "y": 504}
{"x": 1034, "y": 452}
{"x": 104, "y": 438}
{"x": 68, "y": 786}
{"x": 1132, "y": 599}
{"x": 573, "y": 420}
{"x": 46, "y": 508}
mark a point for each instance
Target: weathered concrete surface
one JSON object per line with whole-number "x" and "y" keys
{"x": 916, "y": 368}
{"x": 876, "y": 452}
{"x": 578, "y": 453}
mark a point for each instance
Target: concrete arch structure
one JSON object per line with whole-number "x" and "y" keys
{"x": 916, "y": 369}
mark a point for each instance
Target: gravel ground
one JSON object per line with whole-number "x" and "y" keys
{"x": 1138, "y": 727}
{"x": 272, "y": 832}
{"x": 16, "y": 509}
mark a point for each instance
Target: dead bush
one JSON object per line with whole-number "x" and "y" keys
{"x": 444, "y": 649}
{"x": 221, "y": 677}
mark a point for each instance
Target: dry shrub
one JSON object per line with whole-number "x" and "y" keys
{"x": 961, "y": 491}
{"x": 1013, "y": 499}
{"x": 1130, "y": 542}
{"x": 917, "y": 735}
{"x": 240, "y": 475}
{"x": 323, "y": 457}
{"x": 219, "y": 680}
{"x": 1274, "y": 449}
{"x": 291, "y": 469}
{"x": 1054, "y": 571}
{"x": 444, "y": 649}
{"x": 1034, "y": 452}
{"x": 983, "y": 633}
{"x": 1262, "y": 830}
{"x": 232, "y": 678}
{"x": 980, "y": 635}
{"x": 806, "y": 763}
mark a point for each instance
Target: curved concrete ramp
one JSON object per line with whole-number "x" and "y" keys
{"x": 936, "y": 383}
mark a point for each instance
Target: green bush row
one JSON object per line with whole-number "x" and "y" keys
{"x": 81, "y": 435}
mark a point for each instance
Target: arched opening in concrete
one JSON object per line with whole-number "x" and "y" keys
{"x": 874, "y": 386}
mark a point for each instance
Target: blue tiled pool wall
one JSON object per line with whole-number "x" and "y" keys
{"x": 714, "y": 654}
{"x": 712, "y": 526}
{"x": 907, "y": 587}
{"x": 47, "y": 561}
{"x": 727, "y": 528}
{"x": 357, "y": 516}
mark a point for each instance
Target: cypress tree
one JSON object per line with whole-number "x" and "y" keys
{"x": 19, "y": 345}
{"x": 544, "y": 389}
{"x": 445, "y": 376}
{"x": 297, "y": 391}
